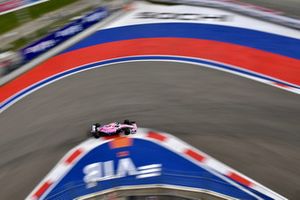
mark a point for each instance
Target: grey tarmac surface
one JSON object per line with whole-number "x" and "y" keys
{"x": 289, "y": 7}
{"x": 250, "y": 126}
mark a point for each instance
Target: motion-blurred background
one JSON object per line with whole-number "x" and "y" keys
{"x": 23, "y": 22}
{"x": 238, "y": 124}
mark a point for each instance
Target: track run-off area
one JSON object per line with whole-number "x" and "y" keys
{"x": 228, "y": 86}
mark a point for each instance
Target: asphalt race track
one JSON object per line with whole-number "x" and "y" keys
{"x": 250, "y": 126}
{"x": 290, "y": 7}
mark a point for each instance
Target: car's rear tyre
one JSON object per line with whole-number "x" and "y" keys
{"x": 126, "y": 121}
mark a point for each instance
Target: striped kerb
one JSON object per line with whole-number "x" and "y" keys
{"x": 156, "y": 136}
{"x": 73, "y": 156}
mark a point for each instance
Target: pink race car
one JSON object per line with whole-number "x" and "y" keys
{"x": 114, "y": 128}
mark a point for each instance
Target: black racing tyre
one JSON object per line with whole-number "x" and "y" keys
{"x": 127, "y": 131}
{"x": 126, "y": 121}
{"x": 96, "y": 135}
{"x": 97, "y": 125}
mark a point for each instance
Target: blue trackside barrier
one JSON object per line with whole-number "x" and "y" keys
{"x": 57, "y": 37}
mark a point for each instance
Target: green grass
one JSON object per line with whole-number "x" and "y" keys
{"x": 11, "y": 20}
{"x": 40, "y": 9}
{"x": 8, "y": 22}
{"x": 45, "y": 30}
{"x": 19, "y": 43}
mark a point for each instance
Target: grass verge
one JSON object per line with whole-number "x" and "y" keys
{"x": 14, "y": 19}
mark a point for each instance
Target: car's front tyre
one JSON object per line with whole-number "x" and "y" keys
{"x": 127, "y": 131}
{"x": 96, "y": 135}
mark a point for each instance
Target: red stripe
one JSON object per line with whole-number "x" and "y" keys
{"x": 273, "y": 65}
{"x": 239, "y": 179}
{"x": 42, "y": 189}
{"x": 73, "y": 156}
{"x": 110, "y": 137}
{"x": 194, "y": 155}
{"x": 156, "y": 136}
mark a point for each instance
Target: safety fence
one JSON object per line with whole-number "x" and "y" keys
{"x": 57, "y": 37}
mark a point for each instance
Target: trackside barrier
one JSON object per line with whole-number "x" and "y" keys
{"x": 241, "y": 8}
{"x": 52, "y": 186}
{"x": 55, "y": 38}
{"x": 119, "y": 10}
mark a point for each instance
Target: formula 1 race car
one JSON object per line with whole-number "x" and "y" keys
{"x": 114, "y": 128}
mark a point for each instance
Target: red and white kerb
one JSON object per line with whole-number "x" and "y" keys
{"x": 202, "y": 158}
{"x": 168, "y": 141}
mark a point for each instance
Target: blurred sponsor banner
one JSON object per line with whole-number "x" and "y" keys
{"x": 147, "y": 13}
{"x": 12, "y": 5}
{"x": 245, "y": 8}
{"x": 62, "y": 34}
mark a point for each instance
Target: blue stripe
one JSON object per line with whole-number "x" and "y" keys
{"x": 277, "y": 44}
{"x": 139, "y": 58}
